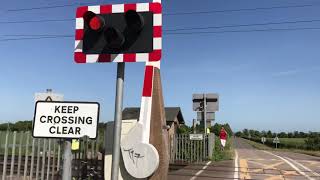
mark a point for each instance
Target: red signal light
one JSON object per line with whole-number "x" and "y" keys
{"x": 94, "y": 21}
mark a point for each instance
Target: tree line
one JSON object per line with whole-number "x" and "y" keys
{"x": 311, "y": 142}
{"x": 269, "y": 134}
{"x": 27, "y": 126}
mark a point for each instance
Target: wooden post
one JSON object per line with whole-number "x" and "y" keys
{"x": 158, "y": 130}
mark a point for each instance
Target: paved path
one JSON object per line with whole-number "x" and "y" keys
{"x": 251, "y": 163}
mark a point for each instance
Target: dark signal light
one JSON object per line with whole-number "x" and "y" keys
{"x": 114, "y": 38}
{"x": 134, "y": 20}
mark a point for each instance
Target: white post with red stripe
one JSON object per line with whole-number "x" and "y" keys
{"x": 137, "y": 141}
{"x": 146, "y": 161}
{"x": 141, "y": 158}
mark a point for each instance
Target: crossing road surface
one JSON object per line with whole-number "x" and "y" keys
{"x": 206, "y": 171}
{"x": 273, "y": 165}
{"x": 251, "y": 163}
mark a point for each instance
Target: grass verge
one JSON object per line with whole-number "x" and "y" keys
{"x": 264, "y": 147}
{"x": 226, "y": 154}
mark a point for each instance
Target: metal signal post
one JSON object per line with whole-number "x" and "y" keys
{"x": 205, "y": 119}
{"x": 117, "y": 122}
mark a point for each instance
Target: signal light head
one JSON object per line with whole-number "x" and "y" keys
{"x": 119, "y": 31}
{"x": 94, "y": 21}
{"x": 134, "y": 20}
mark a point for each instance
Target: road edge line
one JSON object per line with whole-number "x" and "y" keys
{"x": 292, "y": 165}
{"x": 199, "y": 172}
{"x": 236, "y": 166}
{"x": 304, "y": 167}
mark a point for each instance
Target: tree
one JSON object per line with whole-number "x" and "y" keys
{"x": 184, "y": 129}
{"x": 239, "y": 134}
{"x": 228, "y": 129}
{"x": 216, "y": 128}
{"x": 5, "y": 126}
{"x": 256, "y": 134}
{"x": 199, "y": 128}
{"x": 18, "y": 126}
{"x": 302, "y": 135}
{"x": 246, "y": 132}
{"x": 313, "y": 141}
{"x": 269, "y": 134}
{"x": 251, "y": 133}
{"x": 282, "y": 135}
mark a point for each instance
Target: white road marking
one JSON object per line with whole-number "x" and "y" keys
{"x": 292, "y": 165}
{"x": 199, "y": 172}
{"x": 304, "y": 167}
{"x": 236, "y": 166}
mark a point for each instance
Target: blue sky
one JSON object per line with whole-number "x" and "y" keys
{"x": 266, "y": 80}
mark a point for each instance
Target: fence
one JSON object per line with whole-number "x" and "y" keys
{"x": 27, "y": 158}
{"x": 191, "y": 151}
{"x": 88, "y": 161}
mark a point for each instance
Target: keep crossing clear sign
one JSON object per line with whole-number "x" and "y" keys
{"x": 66, "y": 119}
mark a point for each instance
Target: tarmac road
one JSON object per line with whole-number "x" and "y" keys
{"x": 251, "y": 163}
{"x": 205, "y": 171}
{"x": 274, "y": 165}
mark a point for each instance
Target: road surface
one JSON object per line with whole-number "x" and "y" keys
{"x": 250, "y": 163}
{"x": 274, "y": 165}
{"x": 205, "y": 171}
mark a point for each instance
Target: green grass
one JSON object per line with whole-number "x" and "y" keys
{"x": 286, "y": 143}
{"x": 226, "y": 154}
{"x": 264, "y": 147}
{"x": 10, "y": 141}
{"x": 291, "y": 141}
{"x": 258, "y": 145}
